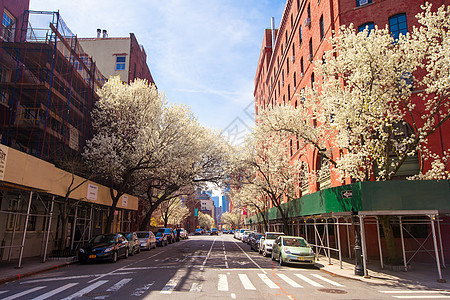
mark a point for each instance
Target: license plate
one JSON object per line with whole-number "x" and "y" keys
{"x": 301, "y": 258}
{"x": 92, "y": 256}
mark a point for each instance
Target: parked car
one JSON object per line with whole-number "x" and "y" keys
{"x": 239, "y": 233}
{"x": 169, "y": 233}
{"x": 108, "y": 246}
{"x": 161, "y": 239}
{"x": 133, "y": 242}
{"x": 250, "y": 235}
{"x": 183, "y": 234}
{"x": 198, "y": 231}
{"x": 225, "y": 231}
{"x": 266, "y": 245}
{"x": 244, "y": 236}
{"x": 214, "y": 231}
{"x": 147, "y": 239}
{"x": 292, "y": 249}
{"x": 254, "y": 241}
{"x": 231, "y": 232}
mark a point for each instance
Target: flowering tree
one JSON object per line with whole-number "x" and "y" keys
{"x": 266, "y": 171}
{"x": 232, "y": 218}
{"x": 173, "y": 211}
{"x": 205, "y": 221}
{"x": 124, "y": 122}
{"x": 376, "y": 104}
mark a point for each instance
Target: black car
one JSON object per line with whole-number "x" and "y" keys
{"x": 169, "y": 233}
{"x": 254, "y": 241}
{"x": 109, "y": 246}
{"x": 214, "y": 231}
{"x": 161, "y": 239}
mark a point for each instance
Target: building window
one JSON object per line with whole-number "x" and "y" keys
{"x": 301, "y": 68}
{"x": 292, "y": 21}
{"x": 9, "y": 26}
{"x": 370, "y": 26}
{"x": 287, "y": 66}
{"x": 120, "y": 63}
{"x": 312, "y": 79}
{"x": 295, "y": 81}
{"x": 310, "y": 50}
{"x": 397, "y": 25}
{"x": 282, "y": 77}
{"x": 362, "y": 2}
{"x": 300, "y": 34}
{"x": 289, "y": 92}
{"x": 309, "y": 11}
{"x": 322, "y": 29}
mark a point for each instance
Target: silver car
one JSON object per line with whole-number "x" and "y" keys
{"x": 266, "y": 244}
{"x": 147, "y": 239}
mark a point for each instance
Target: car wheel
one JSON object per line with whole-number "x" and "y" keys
{"x": 273, "y": 257}
{"x": 282, "y": 263}
{"x": 264, "y": 253}
{"x": 139, "y": 249}
{"x": 132, "y": 252}
{"x": 114, "y": 257}
{"x": 126, "y": 253}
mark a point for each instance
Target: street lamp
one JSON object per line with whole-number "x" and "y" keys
{"x": 359, "y": 269}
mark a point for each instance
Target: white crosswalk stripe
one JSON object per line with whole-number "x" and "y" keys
{"x": 267, "y": 281}
{"x": 2, "y": 292}
{"x": 24, "y": 293}
{"x": 306, "y": 279}
{"x": 223, "y": 283}
{"x": 289, "y": 281}
{"x": 119, "y": 285}
{"x": 196, "y": 288}
{"x": 246, "y": 282}
{"x": 327, "y": 280}
{"x": 86, "y": 290}
{"x": 55, "y": 291}
{"x": 170, "y": 286}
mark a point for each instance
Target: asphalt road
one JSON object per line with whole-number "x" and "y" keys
{"x": 202, "y": 267}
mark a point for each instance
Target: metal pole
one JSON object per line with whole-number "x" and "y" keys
{"x": 379, "y": 242}
{"x": 74, "y": 227}
{"x": 298, "y": 227}
{"x": 315, "y": 237}
{"x": 403, "y": 244}
{"x": 440, "y": 241}
{"x": 363, "y": 243}
{"x": 348, "y": 240}
{"x": 91, "y": 222}
{"x": 438, "y": 263}
{"x": 48, "y": 229}
{"x": 328, "y": 241}
{"x": 13, "y": 235}
{"x": 19, "y": 265}
{"x": 306, "y": 230}
{"x": 339, "y": 242}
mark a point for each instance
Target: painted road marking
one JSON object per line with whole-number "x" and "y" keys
{"x": 267, "y": 281}
{"x": 306, "y": 279}
{"x": 223, "y": 283}
{"x": 246, "y": 282}
{"x": 86, "y": 290}
{"x": 289, "y": 281}
{"x": 327, "y": 280}
{"x": 24, "y": 293}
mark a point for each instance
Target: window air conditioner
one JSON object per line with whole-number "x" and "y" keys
{"x": 310, "y": 57}
{"x": 308, "y": 22}
{"x": 362, "y": 2}
{"x": 293, "y": 58}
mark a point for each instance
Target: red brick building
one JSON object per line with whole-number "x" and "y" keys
{"x": 287, "y": 54}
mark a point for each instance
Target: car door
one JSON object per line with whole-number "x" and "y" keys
{"x": 276, "y": 247}
{"x": 122, "y": 241}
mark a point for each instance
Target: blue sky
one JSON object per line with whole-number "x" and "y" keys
{"x": 202, "y": 53}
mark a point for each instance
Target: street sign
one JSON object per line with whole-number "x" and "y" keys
{"x": 347, "y": 194}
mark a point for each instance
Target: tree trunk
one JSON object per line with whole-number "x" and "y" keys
{"x": 393, "y": 255}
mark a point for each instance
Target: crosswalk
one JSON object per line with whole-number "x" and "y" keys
{"x": 225, "y": 282}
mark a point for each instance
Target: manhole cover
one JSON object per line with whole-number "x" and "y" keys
{"x": 333, "y": 291}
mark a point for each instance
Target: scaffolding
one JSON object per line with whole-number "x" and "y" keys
{"x": 48, "y": 90}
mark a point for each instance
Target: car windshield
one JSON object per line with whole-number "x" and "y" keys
{"x": 102, "y": 238}
{"x": 142, "y": 235}
{"x": 294, "y": 242}
{"x": 159, "y": 234}
{"x": 272, "y": 236}
{"x": 198, "y": 230}
{"x": 247, "y": 232}
{"x": 259, "y": 236}
{"x": 164, "y": 230}
{"x": 129, "y": 236}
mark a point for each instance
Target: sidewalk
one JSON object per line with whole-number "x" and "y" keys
{"x": 31, "y": 266}
{"x": 420, "y": 275}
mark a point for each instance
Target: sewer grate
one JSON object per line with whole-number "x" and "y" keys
{"x": 332, "y": 291}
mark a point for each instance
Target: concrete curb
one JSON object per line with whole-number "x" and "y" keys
{"x": 31, "y": 273}
{"x": 339, "y": 275}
